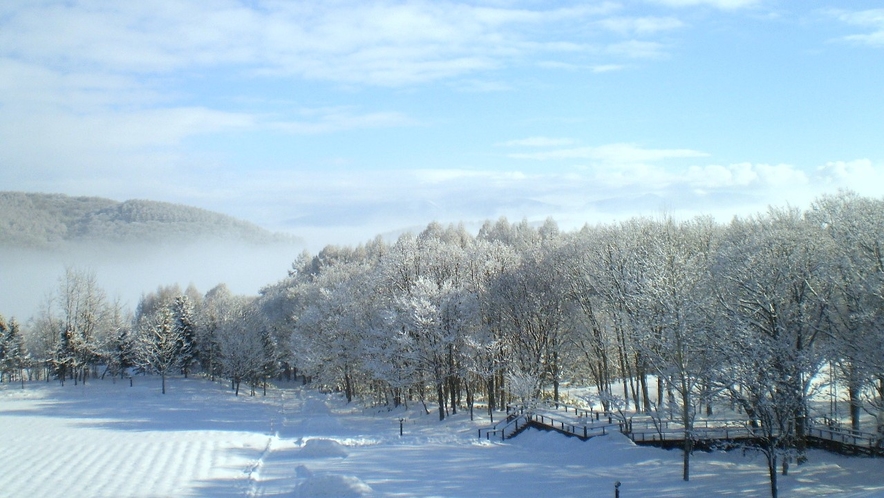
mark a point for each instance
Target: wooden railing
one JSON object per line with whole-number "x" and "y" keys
{"x": 582, "y": 431}
{"x": 669, "y": 432}
{"x": 846, "y": 440}
{"x": 727, "y": 433}
{"x": 506, "y": 428}
{"x": 581, "y": 412}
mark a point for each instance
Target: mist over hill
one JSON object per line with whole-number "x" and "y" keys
{"x": 35, "y": 220}
{"x": 133, "y": 247}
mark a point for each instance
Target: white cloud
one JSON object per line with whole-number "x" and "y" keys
{"x": 861, "y": 176}
{"x": 440, "y": 176}
{"x": 745, "y": 175}
{"x": 640, "y": 25}
{"x": 351, "y": 206}
{"x": 611, "y": 153}
{"x": 719, "y": 4}
{"x": 781, "y": 175}
{"x": 637, "y": 49}
{"x": 73, "y": 136}
{"x": 378, "y": 43}
{"x": 608, "y": 68}
{"x": 339, "y": 119}
{"x": 872, "y": 18}
{"x": 537, "y": 142}
{"x": 717, "y": 176}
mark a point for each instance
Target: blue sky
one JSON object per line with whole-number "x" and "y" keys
{"x": 339, "y": 120}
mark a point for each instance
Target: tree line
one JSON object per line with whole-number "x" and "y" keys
{"x": 747, "y": 313}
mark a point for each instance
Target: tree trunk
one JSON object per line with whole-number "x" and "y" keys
{"x": 688, "y": 422}
{"x": 453, "y": 393}
{"x": 491, "y": 398}
{"x": 440, "y": 395}
{"x": 348, "y": 387}
{"x": 660, "y": 390}
{"x": 686, "y": 460}
{"x": 470, "y": 399}
{"x": 855, "y": 405}
{"x": 772, "y": 470}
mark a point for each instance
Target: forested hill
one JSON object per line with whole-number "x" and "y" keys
{"x": 52, "y": 220}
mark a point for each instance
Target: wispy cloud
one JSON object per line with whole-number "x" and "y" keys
{"x": 612, "y": 153}
{"x": 871, "y": 19}
{"x": 745, "y": 175}
{"x": 861, "y": 175}
{"x": 339, "y": 119}
{"x": 372, "y": 203}
{"x": 105, "y": 79}
{"x": 637, "y": 49}
{"x": 537, "y": 142}
{"x": 377, "y": 43}
{"x": 640, "y": 25}
{"x": 719, "y": 4}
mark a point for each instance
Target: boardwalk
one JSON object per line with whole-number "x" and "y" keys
{"x": 585, "y": 424}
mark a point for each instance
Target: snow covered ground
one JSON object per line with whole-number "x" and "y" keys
{"x": 109, "y": 439}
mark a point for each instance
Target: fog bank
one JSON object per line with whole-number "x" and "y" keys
{"x": 126, "y": 271}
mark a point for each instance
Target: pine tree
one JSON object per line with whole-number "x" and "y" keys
{"x": 13, "y": 356}
{"x": 185, "y": 328}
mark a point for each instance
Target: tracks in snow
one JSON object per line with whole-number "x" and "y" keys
{"x": 254, "y": 471}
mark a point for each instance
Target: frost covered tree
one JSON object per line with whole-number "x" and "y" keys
{"x": 13, "y": 354}
{"x": 855, "y": 226}
{"x": 674, "y": 319}
{"x": 215, "y": 310}
{"x": 157, "y": 347}
{"x": 83, "y": 324}
{"x": 775, "y": 289}
{"x": 242, "y": 351}
{"x": 534, "y": 307}
{"x": 617, "y": 271}
{"x": 120, "y": 353}
{"x": 485, "y": 346}
{"x": 594, "y": 341}
{"x": 185, "y": 324}
{"x": 327, "y": 342}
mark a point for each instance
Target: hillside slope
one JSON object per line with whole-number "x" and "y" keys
{"x": 37, "y": 220}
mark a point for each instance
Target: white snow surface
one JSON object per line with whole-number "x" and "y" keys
{"x": 107, "y": 439}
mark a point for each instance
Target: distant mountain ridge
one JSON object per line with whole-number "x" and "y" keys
{"x": 40, "y": 220}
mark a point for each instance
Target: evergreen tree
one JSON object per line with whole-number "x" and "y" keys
{"x": 186, "y": 330}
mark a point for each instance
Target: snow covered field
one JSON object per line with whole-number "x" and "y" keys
{"x": 107, "y": 439}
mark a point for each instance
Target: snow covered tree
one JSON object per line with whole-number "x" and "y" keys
{"x": 215, "y": 310}
{"x": 83, "y": 324}
{"x": 120, "y": 353}
{"x": 674, "y": 318}
{"x": 13, "y": 355}
{"x": 616, "y": 270}
{"x": 855, "y": 226}
{"x": 184, "y": 313}
{"x": 241, "y": 351}
{"x": 775, "y": 289}
{"x": 326, "y": 343}
{"x": 534, "y": 308}
{"x": 158, "y": 344}
{"x": 486, "y": 346}
{"x": 594, "y": 340}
